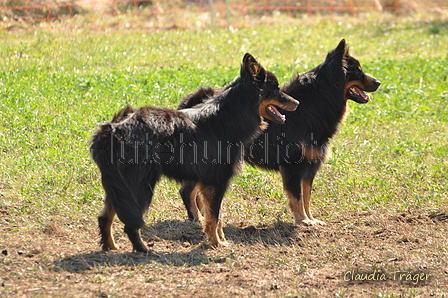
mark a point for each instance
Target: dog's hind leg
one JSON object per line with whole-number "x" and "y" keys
{"x": 132, "y": 218}
{"x": 130, "y": 198}
{"x": 211, "y": 198}
{"x": 129, "y": 212}
{"x": 106, "y": 217}
{"x": 105, "y": 220}
{"x": 133, "y": 233}
{"x": 142, "y": 191}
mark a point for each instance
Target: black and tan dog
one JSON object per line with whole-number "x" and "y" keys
{"x": 202, "y": 145}
{"x": 298, "y": 148}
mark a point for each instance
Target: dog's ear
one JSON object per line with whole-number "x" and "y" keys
{"x": 342, "y": 47}
{"x": 336, "y": 56}
{"x": 251, "y": 68}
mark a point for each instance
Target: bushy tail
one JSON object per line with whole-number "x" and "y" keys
{"x": 103, "y": 144}
{"x": 193, "y": 99}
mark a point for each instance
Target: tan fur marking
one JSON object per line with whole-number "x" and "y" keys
{"x": 315, "y": 153}
{"x": 255, "y": 68}
{"x": 297, "y": 208}
{"x": 263, "y": 106}
{"x": 263, "y": 124}
{"x": 221, "y": 235}
{"x": 306, "y": 198}
{"x": 203, "y": 196}
{"x": 196, "y": 204}
{"x": 109, "y": 211}
{"x": 210, "y": 224}
{"x": 345, "y": 114}
{"x": 348, "y": 85}
{"x": 212, "y": 227}
{"x": 289, "y": 106}
{"x": 312, "y": 153}
{"x": 328, "y": 153}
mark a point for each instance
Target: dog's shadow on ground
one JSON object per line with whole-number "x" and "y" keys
{"x": 280, "y": 233}
{"x": 183, "y": 243}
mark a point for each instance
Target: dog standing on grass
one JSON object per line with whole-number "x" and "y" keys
{"x": 202, "y": 145}
{"x": 298, "y": 148}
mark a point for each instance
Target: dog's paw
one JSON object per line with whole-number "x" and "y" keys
{"x": 216, "y": 244}
{"x": 109, "y": 247}
{"x": 219, "y": 244}
{"x": 308, "y": 222}
{"x": 223, "y": 243}
{"x": 319, "y": 222}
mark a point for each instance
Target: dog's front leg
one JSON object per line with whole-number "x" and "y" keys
{"x": 298, "y": 191}
{"x": 210, "y": 200}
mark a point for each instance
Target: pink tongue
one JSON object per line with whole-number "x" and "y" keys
{"x": 365, "y": 96}
{"x": 275, "y": 111}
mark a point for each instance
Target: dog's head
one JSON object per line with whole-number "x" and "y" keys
{"x": 270, "y": 94}
{"x": 356, "y": 81}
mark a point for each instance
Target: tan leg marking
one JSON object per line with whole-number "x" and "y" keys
{"x": 306, "y": 199}
{"x": 297, "y": 209}
{"x": 315, "y": 153}
{"x": 212, "y": 226}
{"x": 196, "y": 204}
{"x": 221, "y": 235}
{"x": 109, "y": 211}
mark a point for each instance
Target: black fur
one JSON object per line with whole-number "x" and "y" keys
{"x": 298, "y": 148}
{"x": 202, "y": 145}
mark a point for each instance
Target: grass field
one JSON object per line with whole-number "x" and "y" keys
{"x": 384, "y": 192}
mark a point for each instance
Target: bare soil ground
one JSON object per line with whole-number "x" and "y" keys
{"x": 403, "y": 255}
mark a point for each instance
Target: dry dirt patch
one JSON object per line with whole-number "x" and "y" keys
{"x": 271, "y": 260}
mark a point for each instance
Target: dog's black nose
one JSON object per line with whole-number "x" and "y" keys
{"x": 377, "y": 83}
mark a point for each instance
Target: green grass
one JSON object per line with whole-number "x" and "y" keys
{"x": 56, "y": 86}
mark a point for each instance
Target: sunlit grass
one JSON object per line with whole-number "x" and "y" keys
{"x": 56, "y": 86}
{"x": 388, "y": 168}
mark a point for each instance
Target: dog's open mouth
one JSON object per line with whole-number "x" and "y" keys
{"x": 269, "y": 108}
{"x": 357, "y": 95}
{"x": 274, "y": 114}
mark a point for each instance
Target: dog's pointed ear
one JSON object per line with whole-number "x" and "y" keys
{"x": 342, "y": 47}
{"x": 252, "y": 68}
{"x": 336, "y": 56}
{"x": 248, "y": 58}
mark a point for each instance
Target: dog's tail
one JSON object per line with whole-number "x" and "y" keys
{"x": 100, "y": 148}
{"x": 102, "y": 143}
{"x": 195, "y": 98}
